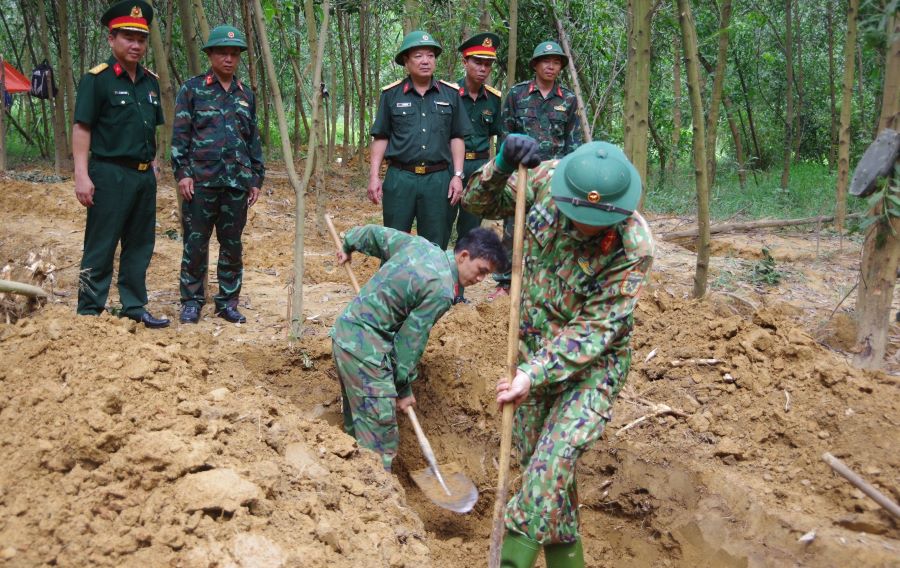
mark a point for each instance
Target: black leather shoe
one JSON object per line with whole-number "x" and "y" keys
{"x": 153, "y": 323}
{"x": 232, "y": 314}
{"x": 189, "y": 314}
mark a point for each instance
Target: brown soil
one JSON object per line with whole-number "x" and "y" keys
{"x": 218, "y": 444}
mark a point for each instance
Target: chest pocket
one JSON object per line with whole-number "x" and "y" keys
{"x": 580, "y": 272}
{"x": 207, "y": 118}
{"x": 557, "y": 123}
{"x": 124, "y": 109}
{"x": 526, "y": 120}
{"x": 403, "y": 116}
{"x": 244, "y": 119}
{"x": 441, "y": 113}
{"x": 487, "y": 119}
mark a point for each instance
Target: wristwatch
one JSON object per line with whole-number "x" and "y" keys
{"x": 458, "y": 174}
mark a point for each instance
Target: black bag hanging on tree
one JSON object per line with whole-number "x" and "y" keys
{"x": 43, "y": 84}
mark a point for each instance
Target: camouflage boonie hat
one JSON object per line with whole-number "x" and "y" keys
{"x": 548, "y": 48}
{"x": 417, "y": 39}
{"x": 596, "y": 185}
{"x": 225, "y": 36}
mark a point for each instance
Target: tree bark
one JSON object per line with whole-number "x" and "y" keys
{"x": 881, "y": 252}
{"x": 689, "y": 41}
{"x": 576, "y": 85}
{"x": 832, "y": 132}
{"x": 167, "y": 95}
{"x": 201, "y": 20}
{"x": 712, "y": 122}
{"x": 362, "y": 81}
{"x": 638, "y": 95}
{"x": 60, "y": 146}
{"x": 187, "y": 34}
{"x": 789, "y": 96}
{"x": 65, "y": 63}
{"x": 2, "y": 115}
{"x": 343, "y": 32}
{"x": 676, "y": 105}
{"x": 758, "y": 161}
{"x": 251, "y": 45}
{"x": 513, "y": 43}
{"x": 840, "y": 208}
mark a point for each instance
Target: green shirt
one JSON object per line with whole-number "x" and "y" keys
{"x": 419, "y": 127}
{"x": 389, "y": 320}
{"x": 484, "y": 116}
{"x": 122, "y": 115}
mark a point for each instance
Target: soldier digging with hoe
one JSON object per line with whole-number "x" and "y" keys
{"x": 117, "y": 110}
{"x": 217, "y": 160}
{"x": 588, "y": 255}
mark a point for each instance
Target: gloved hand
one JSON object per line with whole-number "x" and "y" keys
{"x": 517, "y": 149}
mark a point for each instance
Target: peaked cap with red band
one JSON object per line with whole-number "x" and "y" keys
{"x": 480, "y": 45}
{"x": 132, "y": 15}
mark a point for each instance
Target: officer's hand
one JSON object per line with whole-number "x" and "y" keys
{"x": 374, "y": 192}
{"x": 342, "y": 257}
{"x": 84, "y": 190}
{"x": 407, "y": 401}
{"x": 254, "y": 195}
{"x": 515, "y": 392}
{"x": 520, "y": 149}
{"x": 456, "y": 189}
{"x": 186, "y": 187}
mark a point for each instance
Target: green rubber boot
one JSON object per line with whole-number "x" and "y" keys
{"x": 564, "y": 555}
{"x": 518, "y": 551}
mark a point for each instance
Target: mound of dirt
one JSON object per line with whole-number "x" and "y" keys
{"x": 127, "y": 447}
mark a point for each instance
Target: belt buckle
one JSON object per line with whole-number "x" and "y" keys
{"x": 470, "y": 155}
{"x": 420, "y": 170}
{"x": 143, "y": 166}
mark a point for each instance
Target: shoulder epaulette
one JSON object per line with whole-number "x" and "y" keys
{"x": 491, "y": 89}
{"x": 392, "y": 85}
{"x": 453, "y": 86}
{"x": 151, "y": 73}
{"x": 98, "y": 69}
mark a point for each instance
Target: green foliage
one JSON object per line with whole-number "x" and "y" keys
{"x": 764, "y": 272}
{"x": 884, "y": 203}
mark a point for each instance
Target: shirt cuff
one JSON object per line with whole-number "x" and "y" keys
{"x": 536, "y": 371}
{"x": 404, "y": 391}
{"x": 182, "y": 173}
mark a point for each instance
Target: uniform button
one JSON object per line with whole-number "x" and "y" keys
{"x": 423, "y": 147}
{"x": 423, "y": 114}
{"x": 423, "y": 130}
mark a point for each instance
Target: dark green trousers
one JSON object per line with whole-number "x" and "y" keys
{"x": 225, "y": 210}
{"x": 124, "y": 211}
{"x": 464, "y": 220}
{"x": 409, "y": 197}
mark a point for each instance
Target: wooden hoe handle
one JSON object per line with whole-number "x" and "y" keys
{"x": 512, "y": 358}
{"x": 340, "y": 246}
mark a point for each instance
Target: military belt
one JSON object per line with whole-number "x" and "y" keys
{"x": 420, "y": 169}
{"x": 478, "y": 155}
{"x": 125, "y": 163}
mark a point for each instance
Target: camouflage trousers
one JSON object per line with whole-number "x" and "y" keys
{"x": 372, "y": 420}
{"x": 225, "y": 209}
{"x": 551, "y": 432}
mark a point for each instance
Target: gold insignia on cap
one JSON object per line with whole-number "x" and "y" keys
{"x": 548, "y": 47}
{"x": 593, "y": 197}
{"x": 425, "y": 37}
{"x": 136, "y": 12}
{"x": 487, "y": 42}
{"x": 231, "y": 35}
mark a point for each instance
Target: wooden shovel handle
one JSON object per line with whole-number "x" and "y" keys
{"x": 340, "y": 246}
{"x": 512, "y": 359}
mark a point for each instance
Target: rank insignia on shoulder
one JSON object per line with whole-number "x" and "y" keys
{"x": 151, "y": 73}
{"x": 97, "y": 69}
{"x": 453, "y": 86}
{"x": 394, "y": 84}
{"x": 491, "y": 89}
{"x": 560, "y": 108}
{"x": 404, "y": 105}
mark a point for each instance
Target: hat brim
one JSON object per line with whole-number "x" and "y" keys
{"x": 589, "y": 215}
{"x": 398, "y": 59}
{"x": 565, "y": 60}
{"x": 227, "y": 43}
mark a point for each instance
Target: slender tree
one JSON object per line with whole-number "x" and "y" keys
{"x": 789, "y": 96}
{"x": 57, "y": 112}
{"x": 513, "y": 43}
{"x": 65, "y": 63}
{"x": 832, "y": 132}
{"x": 840, "y": 209}
{"x": 167, "y": 97}
{"x": 712, "y": 122}
{"x": 676, "y": 102}
{"x": 637, "y": 89}
{"x": 191, "y": 49}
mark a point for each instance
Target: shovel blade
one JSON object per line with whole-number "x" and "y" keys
{"x": 463, "y": 494}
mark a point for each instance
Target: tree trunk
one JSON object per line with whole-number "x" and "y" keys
{"x": 861, "y": 91}
{"x": 798, "y": 85}
{"x": 251, "y": 45}
{"x": 758, "y": 161}
{"x": 513, "y": 43}
{"x": 167, "y": 95}
{"x": 343, "y": 31}
{"x": 201, "y": 20}
{"x": 60, "y": 147}
{"x": 65, "y": 63}
{"x": 840, "y": 208}
{"x": 638, "y": 93}
{"x": 2, "y": 115}
{"x": 789, "y": 96}
{"x": 191, "y": 49}
{"x": 881, "y": 252}
{"x": 362, "y": 81}
{"x": 738, "y": 144}
{"x": 832, "y": 132}
{"x": 676, "y": 105}
{"x": 689, "y": 40}
{"x": 295, "y": 315}
{"x": 576, "y": 85}
{"x": 410, "y": 21}
{"x": 712, "y": 121}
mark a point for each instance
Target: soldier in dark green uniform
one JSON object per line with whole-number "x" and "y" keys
{"x": 117, "y": 111}
{"x": 482, "y": 105}
{"x": 217, "y": 160}
{"x": 419, "y": 129}
{"x": 546, "y": 111}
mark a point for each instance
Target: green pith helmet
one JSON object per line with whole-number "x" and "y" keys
{"x": 596, "y": 185}
{"x": 417, "y": 39}
{"x": 225, "y": 36}
{"x": 548, "y": 48}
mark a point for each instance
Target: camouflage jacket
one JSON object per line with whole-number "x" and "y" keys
{"x": 215, "y": 139}
{"x": 389, "y": 320}
{"x": 578, "y": 293}
{"x": 553, "y": 121}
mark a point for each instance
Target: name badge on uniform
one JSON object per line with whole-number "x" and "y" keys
{"x": 560, "y": 108}
{"x": 585, "y": 266}
{"x": 121, "y": 93}
{"x": 442, "y": 103}
{"x": 244, "y": 103}
{"x": 404, "y": 105}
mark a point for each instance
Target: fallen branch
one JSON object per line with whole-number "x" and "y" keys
{"x": 657, "y": 410}
{"x": 751, "y": 225}
{"x": 686, "y": 362}
{"x": 14, "y": 287}
{"x": 861, "y": 484}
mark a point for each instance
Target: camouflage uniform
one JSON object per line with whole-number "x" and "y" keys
{"x": 380, "y": 336}
{"x": 552, "y": 121}
{"x": 215, "y": 141}
{"x": 578, "y": 296}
